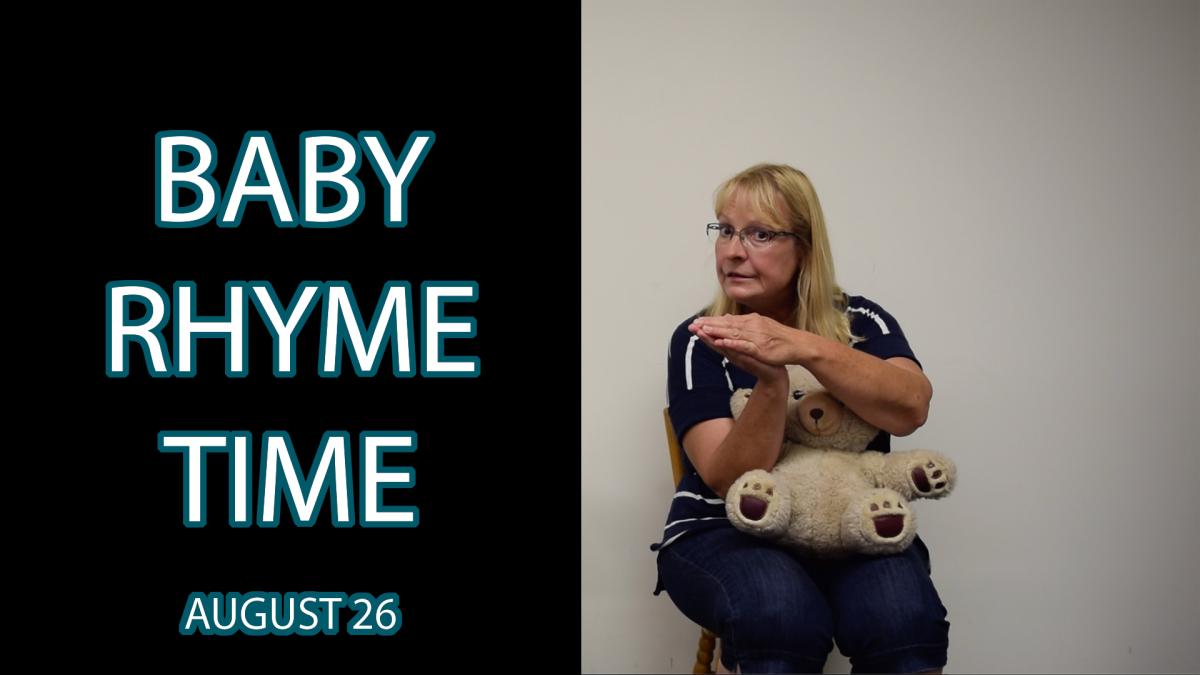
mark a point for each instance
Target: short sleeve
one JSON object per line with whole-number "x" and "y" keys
{"x": 879, "y": 330}
{"x": 698, "y": 383}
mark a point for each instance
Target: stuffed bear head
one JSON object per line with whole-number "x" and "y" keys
{"x": 814, "y": 418}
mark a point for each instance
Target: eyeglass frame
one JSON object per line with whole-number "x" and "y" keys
{"x": 761, "y": 246}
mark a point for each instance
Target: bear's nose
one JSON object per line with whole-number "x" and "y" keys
{"x": 816, "y": 413}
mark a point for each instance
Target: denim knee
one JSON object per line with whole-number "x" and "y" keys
{"x": 760, "y": 600}
{"x": 779, "y": 615}
{"x": 889, "y": 616}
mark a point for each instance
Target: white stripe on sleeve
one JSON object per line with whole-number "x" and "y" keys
{"x": 879, "y": 320}
{"x": 687, "y": 364}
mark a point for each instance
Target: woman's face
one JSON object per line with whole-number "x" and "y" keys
{"x": 763, "y": 279}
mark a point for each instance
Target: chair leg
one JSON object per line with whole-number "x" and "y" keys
{"x": 704, "y": 652}
{"x": 718, "y": 667}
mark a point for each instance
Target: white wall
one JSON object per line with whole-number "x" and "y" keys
{"x": 1017, "y": 183}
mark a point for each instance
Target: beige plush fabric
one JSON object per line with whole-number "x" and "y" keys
{"x": 828, "y": 497}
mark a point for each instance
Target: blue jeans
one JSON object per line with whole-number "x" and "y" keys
{"x": 778, "y": 613}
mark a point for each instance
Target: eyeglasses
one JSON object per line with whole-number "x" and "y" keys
{"x": 752, "y": 237}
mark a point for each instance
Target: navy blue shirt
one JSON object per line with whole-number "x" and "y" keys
{"x": 699, "y": 385}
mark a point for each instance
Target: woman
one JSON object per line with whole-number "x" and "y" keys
{"x": 779, "y": 304}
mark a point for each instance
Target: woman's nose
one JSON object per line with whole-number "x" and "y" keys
{"x": 736, "y": 248}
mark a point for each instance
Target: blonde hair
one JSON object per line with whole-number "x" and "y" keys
{"x": 786, "y": 199}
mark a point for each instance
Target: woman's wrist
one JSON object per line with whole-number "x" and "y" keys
{"x": 805, "y": 347}
{"x": 775, "y": 379}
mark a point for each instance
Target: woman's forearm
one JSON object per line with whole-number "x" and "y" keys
{"x": 884, "y": 394}
{"x": 756, "y": 438}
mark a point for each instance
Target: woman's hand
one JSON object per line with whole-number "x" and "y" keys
{"x": 762, "y": 370}
{"x": 751, "y": 335}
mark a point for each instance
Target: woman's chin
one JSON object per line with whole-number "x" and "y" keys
{"x": 738, "y": 293}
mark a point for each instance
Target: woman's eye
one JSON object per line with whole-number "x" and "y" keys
{"x": 761, "y": 236}
{"x": 726, "y": 230}
{"x": 798, "y": 394}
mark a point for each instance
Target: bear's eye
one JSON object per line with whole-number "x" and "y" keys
{"x": 798, "y": 394}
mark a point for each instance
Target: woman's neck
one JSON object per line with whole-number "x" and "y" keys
{"x": 784, "y": 315}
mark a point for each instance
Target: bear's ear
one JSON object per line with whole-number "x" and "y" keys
{"x": 800, "y": 379}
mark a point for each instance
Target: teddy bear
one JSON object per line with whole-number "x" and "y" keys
{"x": 829, "y": 497}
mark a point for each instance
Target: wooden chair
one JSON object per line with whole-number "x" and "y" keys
{"x": 708, "y": 640}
